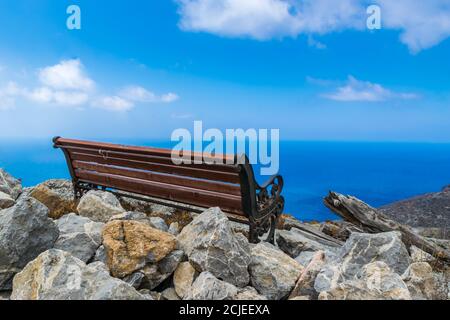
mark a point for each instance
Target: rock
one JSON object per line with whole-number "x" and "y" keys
{"x": 10, "y": 185}
{"x": 376, "y": 281}
{"x": 158, "y": 223}
{"x": 6, "y": 201}
{"x": 99, "y": 206}
{"x": 240, "y": 228}
{"x": 359, "y": 250}
{"x": 248, "y": 293}
{"x": 301, "y": 298}
{"x": 100, "y": 255}
{"x": 57, "y": 195}
{"x": 305, "y": 257}
{"x": 56, "y": 275}
{"x": 294, "y": 242}
{"x": 212, "y": 246}
{"x": 170, "y": 294}
{"x": 423, "y": 284}
{"x": 174, "y": 228}
{"x": 130, "y": 245}
{"x": 79, "y": 236}
{"x": 183, "y": 278}
{"x": 135, "y": 279}
{"x": 208, "y": 287}
{"x": 418, "y": 255}
{"x": 156, "y": 273}
{"x": 5, "y": 295}
{"x": 25, "y": 232}
{"x": 273, "y": 273}
{"x": 305, "y": 283}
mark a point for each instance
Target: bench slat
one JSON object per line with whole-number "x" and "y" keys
{"x": 159, "y": 177}
{"x": 169, "y": 169}
{"x": 149, "y": 158}
{"x": 202, "y": 198}
{"x": 61, "y": 142}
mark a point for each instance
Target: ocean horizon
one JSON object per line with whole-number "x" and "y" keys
{"x": 378, "y": 173}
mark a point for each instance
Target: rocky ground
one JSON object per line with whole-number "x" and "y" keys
{"x": 102, "y": 247}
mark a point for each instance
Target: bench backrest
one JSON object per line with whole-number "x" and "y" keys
{"x": 151, "y": 172}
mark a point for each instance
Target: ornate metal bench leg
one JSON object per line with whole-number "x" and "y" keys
{"x": 273, "y": 225}
{"x": 253, "y": 233}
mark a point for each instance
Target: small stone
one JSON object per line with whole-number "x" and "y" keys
{"x": 183, "y": 278}
{"x": 174, "y": 228}
{"x": 6, "y": 201}
{"x": 99, "y": 206}
{"x": 170, "y": 294}
{"x": 248, "y": 293}
{"x": 10, "y": 185}
{"x": 156, "y": 273}
{"x": 208, "y": 287}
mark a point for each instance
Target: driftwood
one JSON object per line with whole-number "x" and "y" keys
{"x": 372, "y": 221}
{"x": 312, "y": 233}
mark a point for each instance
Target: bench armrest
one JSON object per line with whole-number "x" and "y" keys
{"x": 276, "y": 181}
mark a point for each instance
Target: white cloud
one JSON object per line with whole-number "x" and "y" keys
{"x": 68, "y": 74}
{"x": 356, "y": 90}
{"x": 113, "y": 103}
{"x": 140, "y": 94}
{"x": 67, "y": 85}
{"x": 422, "y": 24}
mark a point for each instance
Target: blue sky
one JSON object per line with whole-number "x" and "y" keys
{"x": 140, "y": 69}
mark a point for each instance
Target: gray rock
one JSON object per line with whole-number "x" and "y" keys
{"x": 305, "y": 283}
{"x": 100, "y": 255}
{"x": 10, "y": 185}
{"x": 273, "y": 273}
{"x": 305, "y": 257}
{"x": 135, "y": 279}
{"x": 208, "y": 287}
{"x": 25, "y": 232}
{"x": 359, "y": 250}
{"x": 424, "y": 284}
{"x": 155, "y": 274}
{"x": 79, "y": 236}
{"x": 57, "y": 275}
{"x": 158, "y": 223}
{"x": 6, "y": 201}
{"x": 212, "y": 246}
{"x": 294, "y": 242}
{"x": 170, "y": 294}
{"x": 99, "y": 206}
{"x": 375, "y": 281}
{"x": 174, "y": 228}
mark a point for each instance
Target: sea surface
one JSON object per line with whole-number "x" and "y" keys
{"x": 377, "y": 173}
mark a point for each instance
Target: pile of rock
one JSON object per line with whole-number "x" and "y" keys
{"x": 52, "y": 247}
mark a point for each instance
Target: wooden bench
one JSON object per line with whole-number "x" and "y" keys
{"x": 150, "y": 172}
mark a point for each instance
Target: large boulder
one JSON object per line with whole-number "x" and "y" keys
{"x": 10, "y": 185}
{"x": 375, "y": 281}
{"x": 359, "y": 250}
{"x": 130, "y": 245}
{"x": 183, "y": 278}
{"x": 208, "y": 287}
{"x": 273, "y": 273}
{"x": 79, "y": 236}
{"x": 57, "y": 195}
{"x": 99, "y": 206}
{"x": 424, "y": 284}
{"x": 25, "y": 232}
{"x": 212, "y": 246}
{"x": 6, "y": 201}
{"x": 57, "y": 275}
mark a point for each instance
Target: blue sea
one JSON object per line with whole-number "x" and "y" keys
{"x": 378, "y": 173}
